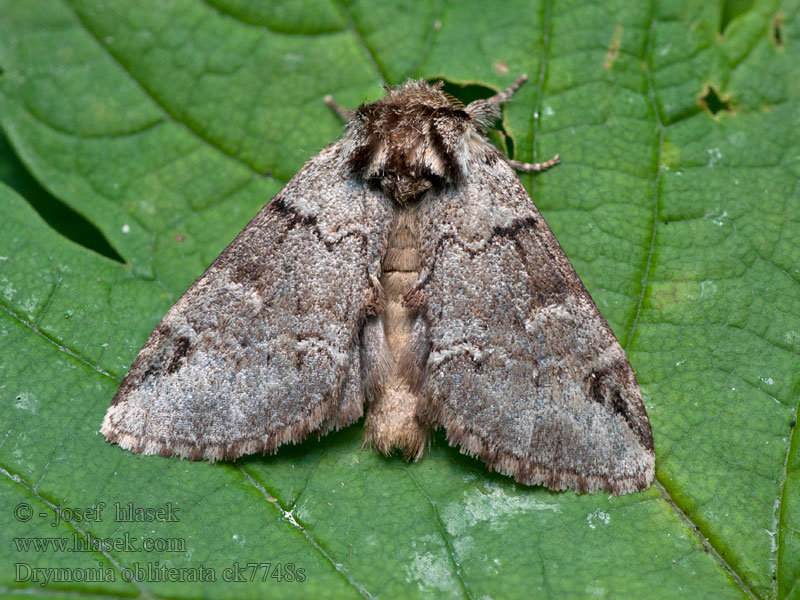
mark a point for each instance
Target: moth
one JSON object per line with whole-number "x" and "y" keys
{"x": 403, "y": 271}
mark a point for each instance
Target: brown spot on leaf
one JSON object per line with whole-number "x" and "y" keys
{"x": 500, "y": 67}
{"x": 613, "y": 49}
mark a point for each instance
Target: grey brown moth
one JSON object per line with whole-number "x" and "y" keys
{"x": 405, "y": 269}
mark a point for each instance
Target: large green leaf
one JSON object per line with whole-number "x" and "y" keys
{"x": 146, "y": 134}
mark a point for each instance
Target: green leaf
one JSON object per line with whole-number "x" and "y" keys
{"x": 142, "y": 136}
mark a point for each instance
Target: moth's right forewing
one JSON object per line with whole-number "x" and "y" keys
{"x": 264, "y": 348}
{"x": 521, "y": 368}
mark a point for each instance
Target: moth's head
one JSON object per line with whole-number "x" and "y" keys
{"x": 415, "y": 139}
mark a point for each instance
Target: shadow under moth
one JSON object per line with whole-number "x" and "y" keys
{"x": 406, "y": 270}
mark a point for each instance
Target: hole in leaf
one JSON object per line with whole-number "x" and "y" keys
{"x": 55, "y": 213}
{"x": 468, "y": 93}
{"x": 732, "y": 9}
{"x": 712, "y": 101}
{"x": 777, "y": 30}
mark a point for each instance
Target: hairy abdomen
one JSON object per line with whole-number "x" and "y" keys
{"x": 391, "y": 421}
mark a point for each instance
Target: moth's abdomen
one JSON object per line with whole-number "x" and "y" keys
{"x": 391, "y": 416}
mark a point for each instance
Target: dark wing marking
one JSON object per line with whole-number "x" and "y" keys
{"x": 521, "y": 367}
{"x": 264, "y": 348}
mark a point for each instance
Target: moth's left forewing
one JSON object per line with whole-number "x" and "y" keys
{"x": 522, "y": 369}
{"x": 265, "y": 347}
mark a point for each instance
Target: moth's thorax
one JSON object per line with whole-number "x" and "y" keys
{"x": 411, "y": 141}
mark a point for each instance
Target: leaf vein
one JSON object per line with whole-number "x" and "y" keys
{"x": 362, "y": 42}
{"x": 76, "y": 527}
{"x": 704, "y": 541}
{"x": 289, "y": 518}
{"x": 780, "y": 521}
{"x": 52, "y": 341}
{"x": 151, "y": 95}
{"x": 440, "y": 526}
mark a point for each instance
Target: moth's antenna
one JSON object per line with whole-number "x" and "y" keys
{"x": 506, "y": 94}
{"x": 343, "y": 112}
{"x": 487, "y": 111}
